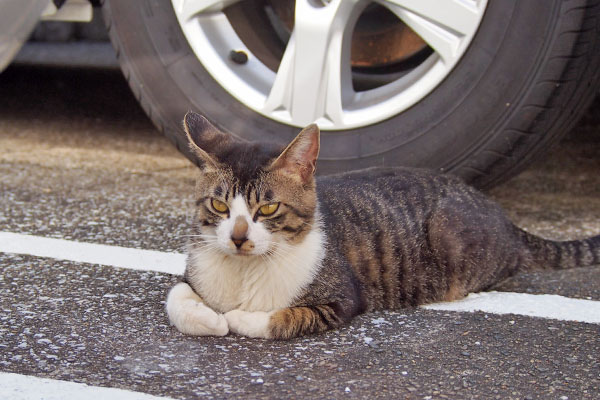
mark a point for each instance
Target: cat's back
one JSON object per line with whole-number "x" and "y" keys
{"x": 384, "y": 191}
{"x": 379, "y": 205}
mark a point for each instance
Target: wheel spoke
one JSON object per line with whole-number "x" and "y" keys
{"x": 187, "y": 9}
{"x": 442, "y": 24}
{"x": 314, "y": 72}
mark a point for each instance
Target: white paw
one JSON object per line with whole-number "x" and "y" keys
{"x": 195, "y": 318}
{"x": 253, "y": 324}
{"x": 191, "y": 316}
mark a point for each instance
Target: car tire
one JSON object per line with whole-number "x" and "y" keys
{"x": 529, "y": 73}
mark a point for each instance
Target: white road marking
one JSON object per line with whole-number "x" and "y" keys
{"x": 542, "y": 306}
{"x": 115, "y": 256}
{"x": 25, "y": 387}
{"x": 549, "y": 306}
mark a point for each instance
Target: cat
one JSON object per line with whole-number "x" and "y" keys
{"x": 277, "y": 253}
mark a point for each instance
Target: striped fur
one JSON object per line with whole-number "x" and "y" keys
{"x": 345, "y": 244}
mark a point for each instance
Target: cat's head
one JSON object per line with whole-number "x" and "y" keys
{"x": 252, "y": 198}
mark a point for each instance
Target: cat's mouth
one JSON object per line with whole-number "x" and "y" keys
{"x": 242, "y": 248}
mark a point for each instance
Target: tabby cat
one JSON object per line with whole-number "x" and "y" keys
{"x": 277, "y": 253}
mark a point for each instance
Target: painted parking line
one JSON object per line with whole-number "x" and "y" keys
{"x": 114, "y": 256}
{"x": 542, "y": 306}
{"x": 25, "y": 387}
{"x": 549, "y": 306}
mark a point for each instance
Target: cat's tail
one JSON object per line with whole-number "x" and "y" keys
{"x": 549, "y": 254}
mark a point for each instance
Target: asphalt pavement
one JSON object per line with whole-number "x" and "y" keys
{"x": 80, "y": 161}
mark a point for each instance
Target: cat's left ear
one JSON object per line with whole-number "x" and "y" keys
{"x": 300, "y": 156}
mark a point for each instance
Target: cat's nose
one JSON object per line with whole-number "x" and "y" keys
{"x": 239, "y": 235}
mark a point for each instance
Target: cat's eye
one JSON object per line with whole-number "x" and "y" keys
{"x": 219, "y": 206}
{"x": 268, "y": 209}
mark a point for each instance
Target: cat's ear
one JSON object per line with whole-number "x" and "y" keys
{"x": 300, "y": 156}
{"x": 203, "y": 137}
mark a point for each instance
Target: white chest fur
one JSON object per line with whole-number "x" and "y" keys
{"x": 255, "y": 283}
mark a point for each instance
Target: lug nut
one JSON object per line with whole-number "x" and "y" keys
{"x": 238, "y": 56}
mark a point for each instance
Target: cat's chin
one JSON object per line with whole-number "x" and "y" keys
{"x": 243, "y": 254}
{"x": 240, "y": 253}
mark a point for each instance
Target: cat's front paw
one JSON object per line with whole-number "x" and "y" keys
{"x": 253, "y": 324}
{"x": 200, "y": 320}
{"x": 191, "y": 316}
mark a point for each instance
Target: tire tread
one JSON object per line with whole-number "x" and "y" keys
{"x": 575, "y": 76}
